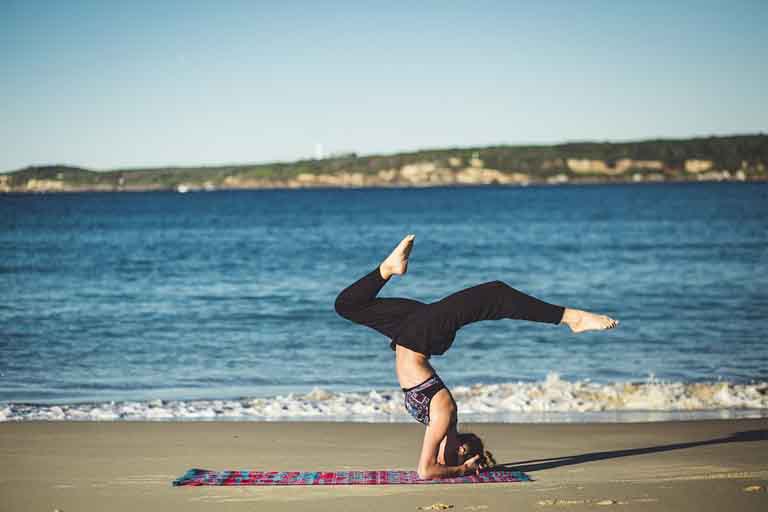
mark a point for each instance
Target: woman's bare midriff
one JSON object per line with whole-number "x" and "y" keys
{"x": 412, "y": 368}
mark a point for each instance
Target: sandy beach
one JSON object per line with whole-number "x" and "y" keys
{"x": 122, "y": 466}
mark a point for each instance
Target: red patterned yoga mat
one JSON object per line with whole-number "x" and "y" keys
{"x": 388, "y": 477}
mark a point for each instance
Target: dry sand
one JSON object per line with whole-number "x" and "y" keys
{"x": 680, "y": 466}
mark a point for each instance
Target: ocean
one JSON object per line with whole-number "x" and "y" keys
{"x": 219, "y": 305}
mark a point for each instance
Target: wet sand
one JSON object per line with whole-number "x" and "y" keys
{"x": 126, "y": 466}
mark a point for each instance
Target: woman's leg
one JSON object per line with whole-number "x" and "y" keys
{"x": 494, "y": 301}
{"x": 497, "y": 300}
{"x": 358, "y": 301}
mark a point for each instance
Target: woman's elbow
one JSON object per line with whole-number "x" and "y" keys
{"x": 424, "y": 472}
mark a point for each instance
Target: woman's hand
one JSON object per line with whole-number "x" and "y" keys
{"x": 473, "y": 466}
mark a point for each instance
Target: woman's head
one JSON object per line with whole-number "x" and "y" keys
{"x": 471, "y": 445}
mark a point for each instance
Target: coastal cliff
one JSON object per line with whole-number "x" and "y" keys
{"x": 736, "y": 158}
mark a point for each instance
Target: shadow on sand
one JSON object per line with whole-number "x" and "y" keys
{"x": 568, "y": 460}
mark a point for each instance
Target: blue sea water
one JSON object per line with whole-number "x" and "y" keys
{"x": 227, "y": 294}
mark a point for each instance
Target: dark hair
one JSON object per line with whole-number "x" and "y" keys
{"x": 475, "y": 446}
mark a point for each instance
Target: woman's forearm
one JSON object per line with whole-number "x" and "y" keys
{"x": 441, "y": 471}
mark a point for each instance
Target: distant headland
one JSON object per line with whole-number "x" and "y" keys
{"x": 730, "y": 158}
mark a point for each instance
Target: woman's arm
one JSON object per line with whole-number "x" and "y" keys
{"x": 442, "y": 414}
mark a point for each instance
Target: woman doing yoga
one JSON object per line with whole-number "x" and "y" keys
{"x": 420, "y": 330}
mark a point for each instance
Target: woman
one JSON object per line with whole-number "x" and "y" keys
{"x": 420, "y": 330}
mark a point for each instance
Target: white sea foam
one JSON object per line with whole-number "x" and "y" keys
{"x": 551, "y": 400}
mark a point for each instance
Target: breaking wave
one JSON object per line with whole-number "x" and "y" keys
{"x": 551, "y": 400}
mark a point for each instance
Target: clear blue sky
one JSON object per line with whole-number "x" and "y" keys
{"x": 119, "y": 84}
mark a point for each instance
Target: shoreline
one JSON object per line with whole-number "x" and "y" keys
{"x": 713, "y": 158}
{"x": 400, "y": 186}
{"x": 551, "y": 400}
{"x": 543, "y": 418}
{"x": 681, "y": 466}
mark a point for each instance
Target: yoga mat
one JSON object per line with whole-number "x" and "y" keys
{"x": 390, "y": 477}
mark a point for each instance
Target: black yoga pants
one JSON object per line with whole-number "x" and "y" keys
{"x": 430, "y": 328}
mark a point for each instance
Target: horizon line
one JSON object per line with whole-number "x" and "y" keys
{"x": 385, "y": 154}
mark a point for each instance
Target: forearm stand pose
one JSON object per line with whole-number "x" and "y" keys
{"x": 420, "y": 330}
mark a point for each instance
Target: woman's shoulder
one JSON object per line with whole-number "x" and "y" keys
{"x": 442, "y": 404}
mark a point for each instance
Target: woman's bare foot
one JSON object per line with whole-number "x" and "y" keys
{"x": 397, "y": 262}
{"x": 580, "y": 321}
